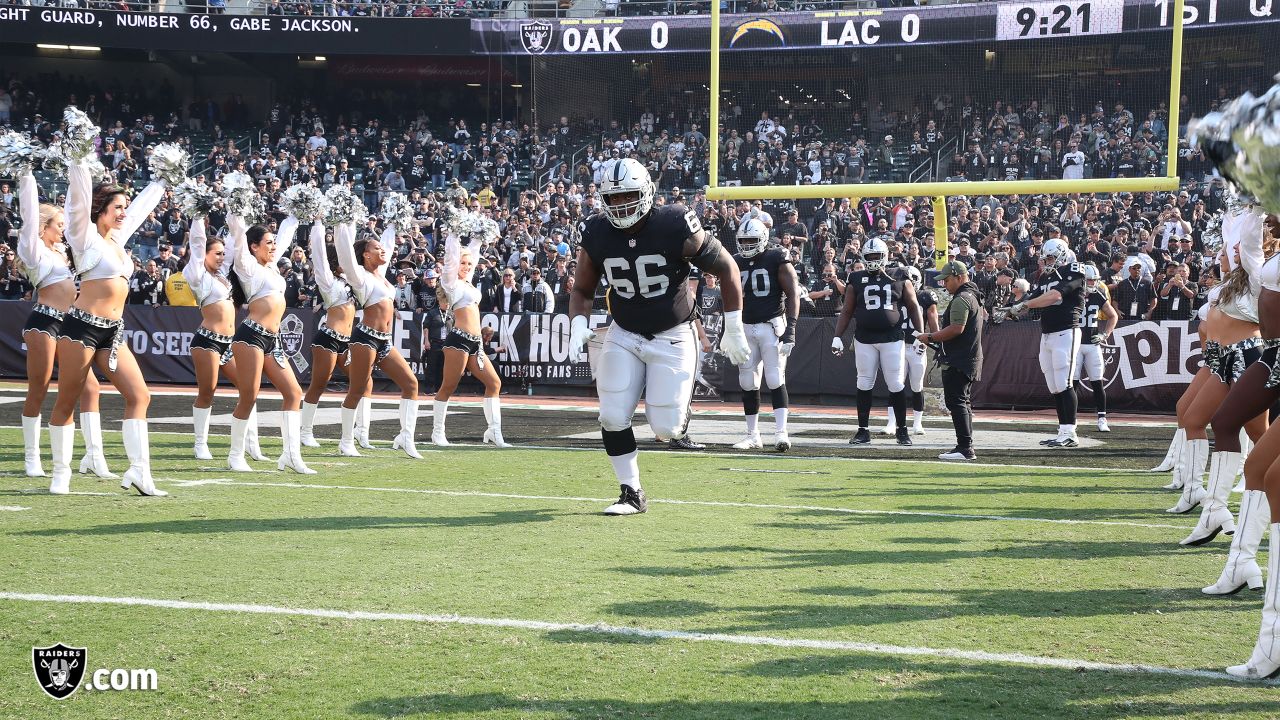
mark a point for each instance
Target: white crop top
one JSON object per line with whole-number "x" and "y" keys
{"x": 460, "y": 292}
{"x": 369, "y": 287}
{"x": 1210, "y": 299}
{"x": 1269, "y": 276}
{"x": 257, "y": 280}
{"x": 333, "y": 290}
{"x": 97, "y": 257}
{"x": 1243, "y": 227}
{"x": 45, "y": 265}
{"x": 208, "y": 288}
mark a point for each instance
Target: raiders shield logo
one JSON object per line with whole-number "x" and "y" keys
{"x": 291, "y": 339}
{"x": 535, "y": 36}
{"x": 59, "y": 669}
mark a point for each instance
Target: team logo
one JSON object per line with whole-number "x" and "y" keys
{"x": 59, "y": 669}
{"x": 1110, "y": 365}
{"x": 291, "y": 339}
{"x": 535, "y": 36}
{"x": 769, "y": 28}
{"x": 631, "y": 242}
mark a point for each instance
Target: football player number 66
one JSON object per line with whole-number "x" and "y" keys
{"x": 624, "y": 281}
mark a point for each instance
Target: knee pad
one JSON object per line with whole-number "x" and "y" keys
{"x": 750, "y": 402}
{"x": 773, "y": 377}
{"x": 749, "y": 377}
{"x": 780, "y": 397}
{"x": 667, "y": 421}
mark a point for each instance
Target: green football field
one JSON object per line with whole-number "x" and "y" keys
{"x": 485, "y": 584}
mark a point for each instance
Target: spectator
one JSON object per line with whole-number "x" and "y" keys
{"x": 538, "y": 297}
{"x": 1135, "y": 298}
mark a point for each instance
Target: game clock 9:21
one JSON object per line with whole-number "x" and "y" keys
{"x": 1017, "y": 21}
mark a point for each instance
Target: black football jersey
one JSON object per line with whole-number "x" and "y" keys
{"x": 1066, "y": 313}
{"x": 877, "y": 314}
{"x": 926, "y": 300}
{"x": 761, "y": 289}
{"x": 646, "y": 271}
{"x": 1093, "y": 302}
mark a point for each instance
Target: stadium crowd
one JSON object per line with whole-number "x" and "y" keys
{"x": 1147, "y": 247}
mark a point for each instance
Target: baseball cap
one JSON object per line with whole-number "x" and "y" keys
{"x": 954, "y": 268}
{"x": 431, "y": 275}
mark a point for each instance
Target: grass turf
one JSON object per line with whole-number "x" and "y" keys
{"x": 1116, "y": 593}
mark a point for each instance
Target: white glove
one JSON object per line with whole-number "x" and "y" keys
{"x": 784, "y": 349}
{"x": 579, "y": 335}
{"x": 837, "y": 346}
{"x": 1017, "y": 309}
{"x": 733, "y": 341}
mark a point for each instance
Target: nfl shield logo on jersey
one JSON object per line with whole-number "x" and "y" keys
{"x": 631, "y": 242}
{"x": 59, "y": 669}
{"x": 535, "y": 36}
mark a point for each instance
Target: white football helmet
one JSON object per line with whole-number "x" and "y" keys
{"x": 1055, "y": 253}
{"x": 753, "y": 238}
{"x": 875, "y": 254}
{"x": 622, "y": 177}
{"x": 1091, "y": 274}
{"x": 913, "y": 274}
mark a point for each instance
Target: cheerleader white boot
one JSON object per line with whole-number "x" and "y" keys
{"x": 308, "y": 438}
{"x": 439, "y": 410}
{"x": 31, "y": 446}
{"x": 251, "y": 445}
{"x": 1265, "y": 661}
{"x": 1242, "y": 563}
{"x": 1246, "y": 445}
{"x": 347, "y": 445}
{"x": 93, "y": 460}
{"x": 62, "y": 440}
{"x": 290, "y": 431}
{"x": 362, "y": 423}
{"x": 408, "y": 429}
{"x": 1195, "y": 454}
{"x": 493, "y": 417}
{"x": 200, "y": 424}
{"x": 1214, "y": 515}
{"x": 138, "y": 447}
{"x": 235, "y": 457}
{"x": 1171, "y": 455}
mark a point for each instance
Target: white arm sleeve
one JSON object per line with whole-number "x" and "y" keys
{"x": 139, "y": 209}
{"x": 344, "y": 237}
{"x": 194, "y": 269}
{"x": 78, "y": 212}
{"x": 29, "y": 238}
{"x": 320, "y": 258}
{"x": 1246, "y": 229}
{"x": 284, "y": 238}
{"x": 246, "y": 266}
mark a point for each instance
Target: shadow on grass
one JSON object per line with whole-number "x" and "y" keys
{"x": 216, "y": 526}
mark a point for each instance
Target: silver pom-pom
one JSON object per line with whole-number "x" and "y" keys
{"x": 169, "y": 163}
{"x": 17, "y": 154}
{"x": 342, "y": 206}
{"x": 242, "y": 198}
{"x": 1243, "y": 141}
{"x": 79, "y": 134}
{"x": 459, "y": 222}
{"x": 194, "y": 199}
{"x": 304, "y": 202}
{"x": 398, "y": 211}
{"x": 1211, "y": 238}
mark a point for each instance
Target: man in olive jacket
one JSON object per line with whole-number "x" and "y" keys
{"x": 959, "y": 344}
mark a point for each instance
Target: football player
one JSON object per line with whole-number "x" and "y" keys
{"x": 645, "y": 253}
{"x": 770, "y": 306}
{"x": 917, "y": 361}
{"x": 875, "y": 300}
{"x": 1060, "y": 295}
{"x": 1089, "y": 363}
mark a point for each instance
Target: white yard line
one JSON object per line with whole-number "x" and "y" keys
{"x": 666, "y": 501}
{"x": 980, "y": 656}
{"x": 13, "y": 508}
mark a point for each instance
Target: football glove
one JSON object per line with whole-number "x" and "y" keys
{"x": 787, "y": 342}
{"x": 579, "y": 335}
{"x": 733, "y": 341}
{"x": 837, "y": 346}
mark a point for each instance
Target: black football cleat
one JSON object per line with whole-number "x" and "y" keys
{"x": 684, "y": 443}
{"x": 904, "y": 436}
{"x": 1066, "y": 442}
{"x": 862, "y": 437}
{"x": 630, "y": 502}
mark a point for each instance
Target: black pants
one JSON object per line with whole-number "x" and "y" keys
{"x": 955, "y": 393}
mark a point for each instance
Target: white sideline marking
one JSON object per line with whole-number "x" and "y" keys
{"x": 639, "y": 632}
{"x": 704, "y": 503}
{"x": 771, "y": 457}
{"x": 787, "y": 472}
{"x": 13, "y": 508}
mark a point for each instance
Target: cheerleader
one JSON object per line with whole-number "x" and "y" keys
{"x": 100, "y": 220}
{"x": 462, "y": 350}
{"x": 1231, "y": 324}
{"x": 364, "y": 263}
{"x": 45, "y": 260}
{"x": 254, "y": 255}
{"x": 1260, "y": 511}
{"x": 329, "y": 344}
{"x": 208, "y": 262}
